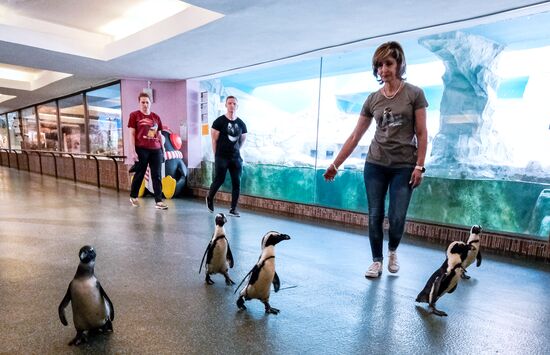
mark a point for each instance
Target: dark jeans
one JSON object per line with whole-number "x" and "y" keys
{"x": 235, "y": 167}
{"x": 153, "y": 158}
{"x": 378, "y": 179}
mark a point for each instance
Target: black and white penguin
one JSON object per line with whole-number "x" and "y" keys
{"x": 474, "y": 253}
{"x": 218, "y": 253}
{"x": 263, "y": 274}
{"x": 92, "y": 308}
{"x": 445, "y": 279}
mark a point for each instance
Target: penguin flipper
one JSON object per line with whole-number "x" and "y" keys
{"x": 276, "y": 282}
{"x": 111, "y": 308}
{"x": 204, "y": 255}
{"x": 254, "y": 274}
{"x": 478, "y": 258}
{"x": 64, "y": 303}
{"x": 250, "y": 272}
{"x": 230, "y": 256}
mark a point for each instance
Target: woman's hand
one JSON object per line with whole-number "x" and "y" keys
{"x": 416, "y": 178}
{"x": 330, "y": 173}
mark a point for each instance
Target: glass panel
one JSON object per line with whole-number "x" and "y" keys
{"x": 105, "y": 123}
{"x": 4, "y": 143}
{"x": 487, "y": 161}
{"x": 279, "y": 108}
{"x": 30, "y": 133}
{"x": 47, "y": 118}
{"x": 73, "y": 128}
{"x": 14, "y": 126}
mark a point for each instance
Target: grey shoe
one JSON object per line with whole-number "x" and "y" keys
{"x": 375, "y": 270}
{"x": 234, "y": 213}
{"x": 393, "y": 265}
{"x": 134, "y": 202}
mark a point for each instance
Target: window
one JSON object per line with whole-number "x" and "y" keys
{"x": 14, "y": 127}
{"x": 105, "y": 123}
{"x": 73, "y": 127}
{"x": 49, "y": 133}
{"x": 4, "y": 132}
{"x": 30, "y": 133}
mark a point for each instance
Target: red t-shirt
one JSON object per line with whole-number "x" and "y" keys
{"x": 147, "y": 128}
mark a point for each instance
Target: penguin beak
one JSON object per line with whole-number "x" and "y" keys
{"x": 284, "y": 237}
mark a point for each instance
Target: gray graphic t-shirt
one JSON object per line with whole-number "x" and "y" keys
{"x": 394, "y": 143}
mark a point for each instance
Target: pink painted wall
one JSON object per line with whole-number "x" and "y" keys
{"x": 177, "y": 104}
{"x": 169, "y": 103}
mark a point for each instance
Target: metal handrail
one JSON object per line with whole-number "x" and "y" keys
{"x": 96, "y": 157}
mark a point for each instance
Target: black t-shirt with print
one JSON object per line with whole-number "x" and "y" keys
{"x": 229, "y": 141}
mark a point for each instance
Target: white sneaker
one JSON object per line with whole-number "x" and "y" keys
{"x": 134, "y": 202}
{"x": 393, "y": 265}
{"x": 161, "y": 206}
{"x": 375, "y": 270}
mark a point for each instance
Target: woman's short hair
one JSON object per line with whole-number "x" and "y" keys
{"x": 389, "y": 49}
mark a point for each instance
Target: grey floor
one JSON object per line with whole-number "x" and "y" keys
{"x": 148, "y": 261}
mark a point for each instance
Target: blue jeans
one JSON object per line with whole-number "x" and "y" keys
{"x": 378, "y": 179}
{"x": 235, "y": 167}
{"x": 153, "y": 158}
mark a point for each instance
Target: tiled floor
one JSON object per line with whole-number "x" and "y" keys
{"x": 148, "y": 262}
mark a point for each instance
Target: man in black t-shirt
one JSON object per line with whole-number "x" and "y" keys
{"x": 228, "y": 136}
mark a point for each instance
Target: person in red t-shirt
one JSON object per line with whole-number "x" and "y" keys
{"x": 146, "y": 148}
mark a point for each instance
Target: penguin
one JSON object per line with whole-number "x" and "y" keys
{"x": 474, "y": 253}
{"x": 218, "y": 253}
{"x": 263, "y": 274}
{"x": 445, "y": 279}
{"x": 92, "y": 308}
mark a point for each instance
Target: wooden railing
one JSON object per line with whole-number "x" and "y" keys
{"x": 55, "y": 155}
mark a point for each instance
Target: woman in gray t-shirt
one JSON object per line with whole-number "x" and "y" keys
{"x": 395, "y": 161}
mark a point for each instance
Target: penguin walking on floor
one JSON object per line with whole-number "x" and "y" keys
{"x": 263, "y": 274}
{"x": 445, "y": 279}
{"x": 92, "y": 308}
{"x": 218, "y": 253}
{"x": 474, "y": 253}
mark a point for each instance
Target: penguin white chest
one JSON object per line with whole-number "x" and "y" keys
{"x": 88, "y": 305}
{"x": 219, "y": 258}
{"x": 262, "y": 287}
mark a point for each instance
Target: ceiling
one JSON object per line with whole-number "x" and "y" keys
{"x": 213, "y": 37}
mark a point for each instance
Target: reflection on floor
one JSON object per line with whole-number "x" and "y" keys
{"x": 148, "y": 262}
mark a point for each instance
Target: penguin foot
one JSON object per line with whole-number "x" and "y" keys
{"x": 79, "y": 339}
{"x": 228, "y": 281}
{"x": 464, "y": 276}
{"x": 209, "y": 280}
{"x": 107, "y": 327}
{"x": 271, "y": 310}
{"x": 240, "y": 303}
{"x": 437, "y": 312}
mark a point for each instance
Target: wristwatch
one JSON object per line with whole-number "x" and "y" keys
{"x": 421, "y": 168}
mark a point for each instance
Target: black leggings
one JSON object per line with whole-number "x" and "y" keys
{"x": 153, "y": 158}
{"x": 235, "y": 167}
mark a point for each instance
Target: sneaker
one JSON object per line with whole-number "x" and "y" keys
{"x": 375, "y": 270}
{"x": 393, "y": 265}
{"x": 161, "y": 206}
{"x": 209, "y": 204}
{"x": 134, "y": 202}
{"x": 233, "y": 213}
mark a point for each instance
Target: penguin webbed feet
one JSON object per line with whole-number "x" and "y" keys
{"x": 208, "y": 280}
{"x": 270, "y": 310}
{"x": 228, "y": 280}
{"x": 79, "y": 339}
{"x": 240, "y": 303}
{"x": 436, "y": 311}
{"x": 464, "y": 276}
